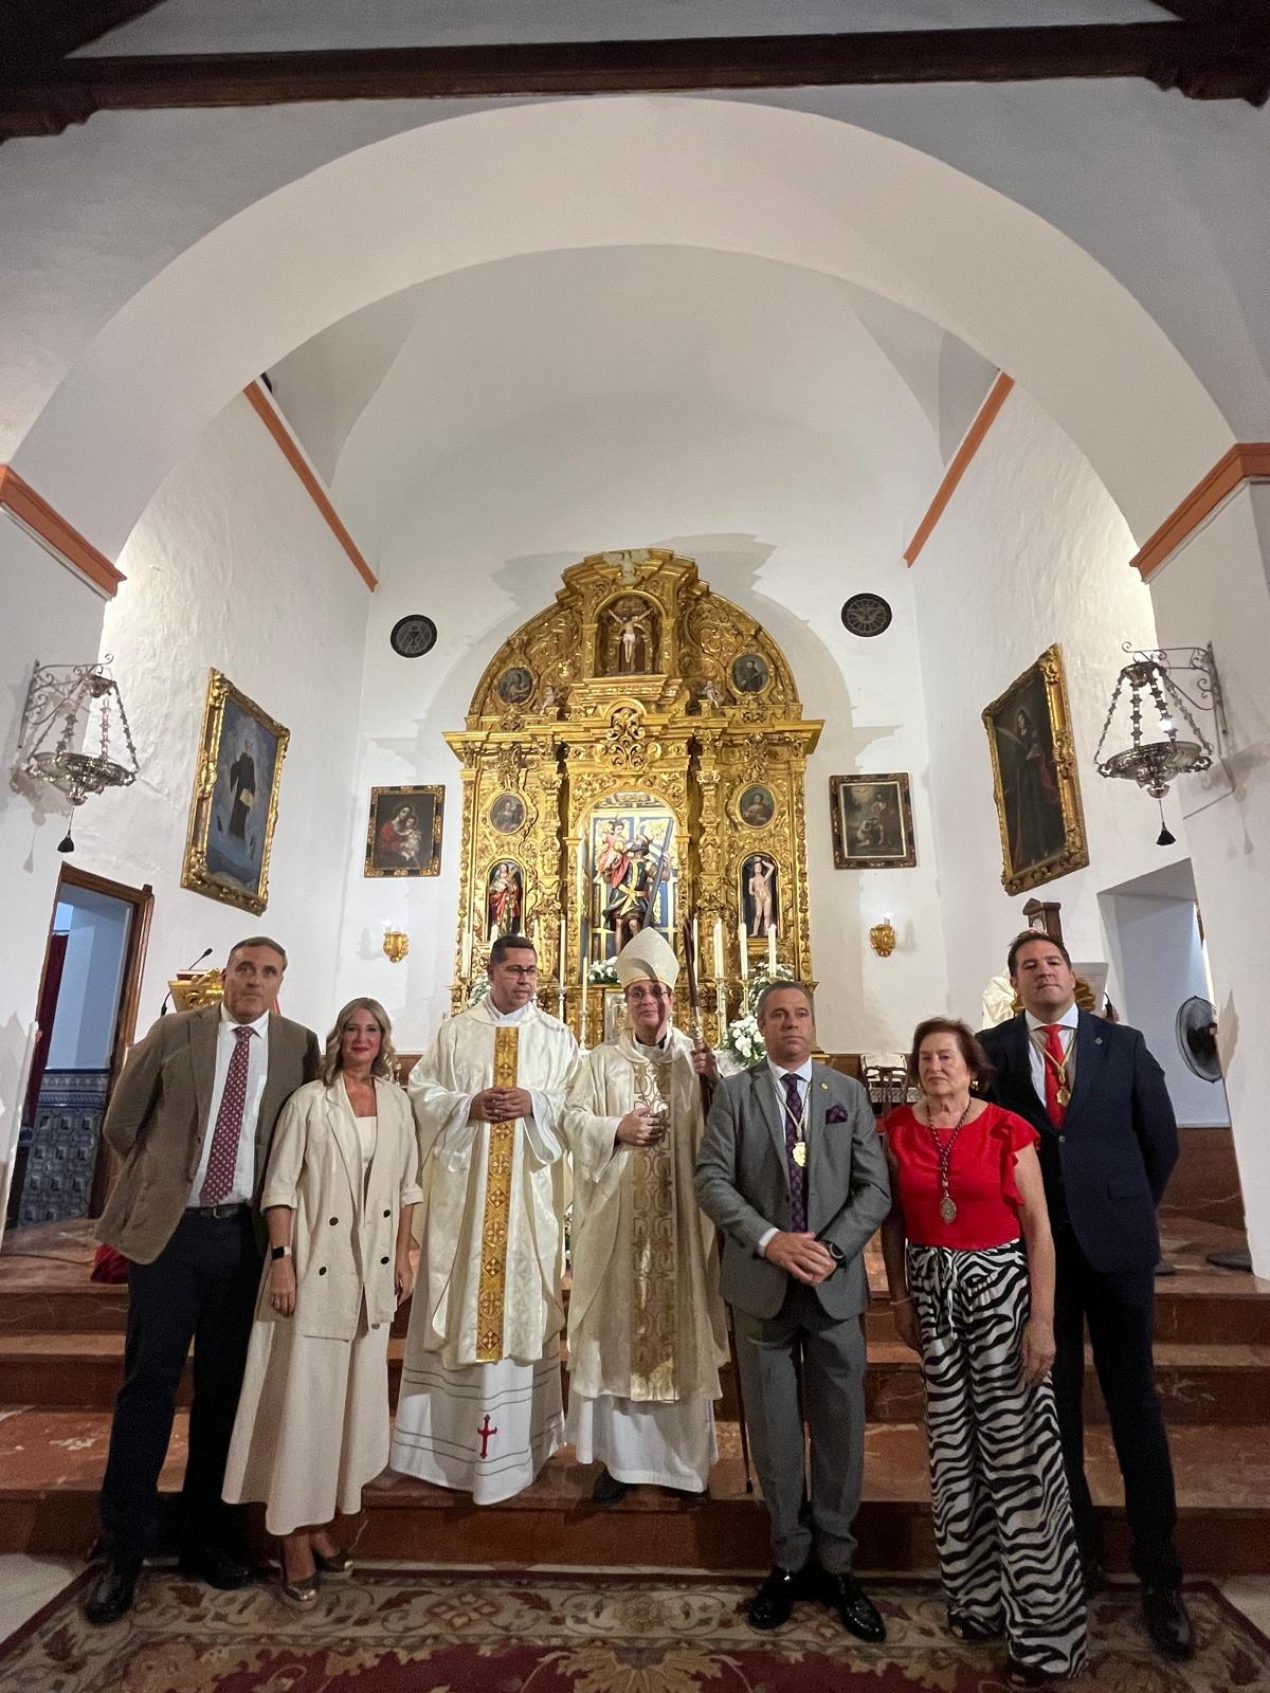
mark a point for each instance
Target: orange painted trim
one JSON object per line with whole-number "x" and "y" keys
{"x": 272, "y": 420}
{"x": 52, "y": 529}
{"x": 959, "y": 464}
{"x": 1247, "y": 461}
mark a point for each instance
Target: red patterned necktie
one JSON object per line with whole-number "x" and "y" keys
{"x": 1054, "y": 1073}
{"x": 229, "y": 1123}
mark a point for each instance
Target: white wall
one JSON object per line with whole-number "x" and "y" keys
{"x": 1160, "y": 962}
{"x": 96, "y": 928}
{"x": 1215, "y": 588}
{"x": 52, "y": 617}
{"x": 1031, "y": 550}
{"x": 231, "y": 567}
{"x": 779, "y": 522}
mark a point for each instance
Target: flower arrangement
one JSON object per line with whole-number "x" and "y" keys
{"x": 603, "y": 972}
{"x": 744, "y": 1045}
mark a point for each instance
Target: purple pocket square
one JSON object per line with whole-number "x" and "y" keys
{"x": 836, "y": 1114}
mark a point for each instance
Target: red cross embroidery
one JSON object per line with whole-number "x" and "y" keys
{"x": 485, "y": 1431}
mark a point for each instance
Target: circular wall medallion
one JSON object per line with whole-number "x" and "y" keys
{"x": 507, "y": 814}
{"x": 515, "y": 685}
{"x": 750, "y": 673}
{"x": 413, "y": 636}
{"x": 757, "y": 806}
{"x": 866, "y": 614}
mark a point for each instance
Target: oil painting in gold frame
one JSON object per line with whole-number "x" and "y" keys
{"x": 1034, "y": 777}
{"x": 403, "y": 833}
{"x": 235, "y": 805}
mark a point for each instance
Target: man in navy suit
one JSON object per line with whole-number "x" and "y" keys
{"x": 1108, "y": 1145}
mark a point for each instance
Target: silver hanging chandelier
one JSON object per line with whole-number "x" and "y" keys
{"x": 70, "y": 713}
{"x": 1154, "y": 758}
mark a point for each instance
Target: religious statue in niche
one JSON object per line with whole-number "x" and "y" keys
{"x": 760, "y": 895}
{"x": 628, "y": 637}
{"x": 633, "y": 872}
{"x": 505, "y": 900}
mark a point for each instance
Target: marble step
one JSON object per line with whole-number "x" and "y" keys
{"x": 1199, "y": 1383}
{"x": 51, "y": 1464}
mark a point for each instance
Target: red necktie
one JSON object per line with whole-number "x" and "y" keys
{"x": 229, "y": 1123}
{"x": 1054, "y": 1074}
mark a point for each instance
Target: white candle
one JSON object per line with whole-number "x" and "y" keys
{"x": 560, "y": 971}
{"x": 718, "y": 949}
{"x": 696, "y": 949}
{"x": 582, "y": 1031}
{"x": 771, "y": 953}
{"x": 721, "y": 1004}
{"x": 467, "y": 952}
{"x": 743, "y": 942}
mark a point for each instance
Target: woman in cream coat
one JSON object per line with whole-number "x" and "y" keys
{"x": 339, "y": 1197}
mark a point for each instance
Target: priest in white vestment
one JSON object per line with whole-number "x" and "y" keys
{"x": 646, "y": 1323}
{"x": 480, "y": 1403}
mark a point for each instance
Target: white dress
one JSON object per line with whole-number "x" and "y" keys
{"x": 313, "y": 1421}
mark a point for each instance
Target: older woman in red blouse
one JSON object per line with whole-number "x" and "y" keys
{"x": 970, "y": 1263}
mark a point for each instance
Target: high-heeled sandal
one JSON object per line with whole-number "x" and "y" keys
{"x": 303, "y": 1592}
{"x": 336, "y": 1567}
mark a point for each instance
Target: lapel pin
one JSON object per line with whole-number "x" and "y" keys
{"x": 824, "y": 1087}
{"x": 1097, "y": 1040}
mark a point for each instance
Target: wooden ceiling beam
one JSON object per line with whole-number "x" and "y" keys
{"x": 1207, "y": 62}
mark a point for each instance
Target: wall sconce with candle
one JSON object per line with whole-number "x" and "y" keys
{"x": 396, "y": 944}
{"x": 882, "y": 938}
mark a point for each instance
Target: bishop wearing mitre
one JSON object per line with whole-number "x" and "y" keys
{"x": 480, "y": 1405}
{"x": 646, "y": 1325}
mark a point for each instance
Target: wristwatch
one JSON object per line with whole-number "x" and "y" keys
{"x": 835, "y": 1252}
{"x": 276, "y": 1252}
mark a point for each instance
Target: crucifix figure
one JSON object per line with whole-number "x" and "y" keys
{"x": 485, "y": 1431}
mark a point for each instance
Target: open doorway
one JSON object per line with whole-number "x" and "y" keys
{"x": 87, "y": 1014}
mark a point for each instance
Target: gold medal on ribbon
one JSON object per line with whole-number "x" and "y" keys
{"x": 800, "y": 1153}
{"x": 1064, "y": 1096}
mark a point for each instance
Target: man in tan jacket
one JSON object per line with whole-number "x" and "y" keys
{"x": 191, "y": 1121}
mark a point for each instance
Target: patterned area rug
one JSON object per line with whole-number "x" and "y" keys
{"x": 403, "y": 1631}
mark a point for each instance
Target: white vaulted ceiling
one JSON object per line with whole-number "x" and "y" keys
{"x": 655, "y": 343}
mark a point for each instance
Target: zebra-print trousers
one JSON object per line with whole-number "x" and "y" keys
{"x": 1003, "y": 1521}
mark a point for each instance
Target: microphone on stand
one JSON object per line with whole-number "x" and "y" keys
{"x": 163, "y": 1009}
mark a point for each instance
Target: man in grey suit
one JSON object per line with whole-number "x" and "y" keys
{"x": 191, "y": 1120}
{"x": 793, "y": 1174}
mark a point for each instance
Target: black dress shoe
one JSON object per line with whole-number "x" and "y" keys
{"x": 608, "y": 1489}
{"x": 856, "y": 1610}
{"x": 216, "y": 1567}
{"x": 1167, "y": 1622}
{"x": 772, "y": 1604}
{"x": 112, "y": 1594}
{"x": 1026, "y": 1675}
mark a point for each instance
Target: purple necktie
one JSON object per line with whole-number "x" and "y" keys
{"x": 797, "y": 1171}
{"x": 223, "y": 1157}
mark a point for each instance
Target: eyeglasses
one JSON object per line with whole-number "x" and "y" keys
{"x": 524, "y": 971}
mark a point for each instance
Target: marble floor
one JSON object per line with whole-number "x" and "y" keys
{"x": 28, "y": 1583}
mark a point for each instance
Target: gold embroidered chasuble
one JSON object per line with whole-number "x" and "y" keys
{"x": 492, "y": 1241}
{"x": 645, "y": 1317}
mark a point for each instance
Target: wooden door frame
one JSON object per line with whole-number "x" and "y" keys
{"x": 142, "y": 902}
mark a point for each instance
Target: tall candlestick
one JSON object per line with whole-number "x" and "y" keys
{"x": 771, "y": 953}
{"x": 718, "y": 949}
{"x": 743, "y": 941}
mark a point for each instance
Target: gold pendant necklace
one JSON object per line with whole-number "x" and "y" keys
{"x": 943, "y": 1151}
{"x": 1059, "y": 1067}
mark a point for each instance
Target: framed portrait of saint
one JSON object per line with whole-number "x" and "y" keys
{"x": 403, "y": 833}
{"x": 515, "y": 685}
{"x": 1034, "y": 777}
{"x": 872, "y": 818}
{"x": 507, "y": 814}
{"x": 756, "y": 806}
{"x": 750, "y": 674}
{"x": 235, "y": 804}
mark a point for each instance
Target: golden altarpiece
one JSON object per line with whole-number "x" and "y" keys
{"x": 635, "y": 753}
